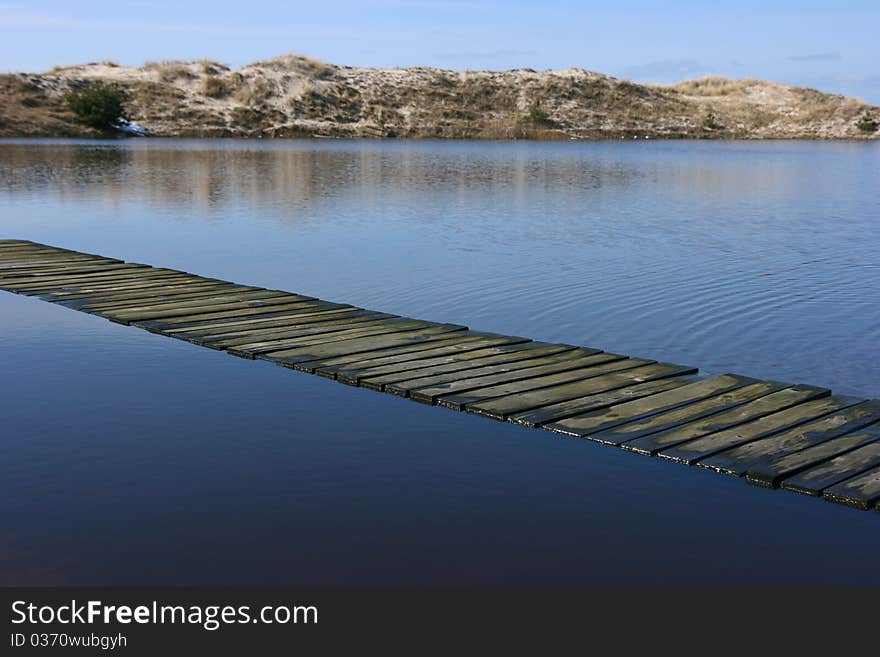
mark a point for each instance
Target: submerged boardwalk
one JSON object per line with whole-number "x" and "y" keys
{"x": 777, "y": 435}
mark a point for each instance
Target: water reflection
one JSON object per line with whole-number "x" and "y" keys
{"x": 294, "y": 175}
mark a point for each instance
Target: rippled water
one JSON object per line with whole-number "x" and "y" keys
{"x": 132, "y": 458}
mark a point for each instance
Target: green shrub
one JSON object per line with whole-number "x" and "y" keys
{"x": 867, "y": 124}
{"x": 100, "y": 106}
{"x": 711, "y": 122}
{"x": 537, "y": 115}
{"x": 539, "y": 118}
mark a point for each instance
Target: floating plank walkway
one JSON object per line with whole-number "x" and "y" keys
{"x": 777, "y": 435}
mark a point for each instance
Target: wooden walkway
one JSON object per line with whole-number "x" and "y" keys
{"x": 777, "y": 435}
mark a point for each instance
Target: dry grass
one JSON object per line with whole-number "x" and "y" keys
{"x": 209, "y": 67}
{"x": 715, "y": 86}
{"x": 170, "y": 70}
{"x": 214, "y": 87}
{"x": 254, "y": 91}
{"x": 307, "y": 66}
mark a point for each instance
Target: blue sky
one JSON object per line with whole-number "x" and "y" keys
{"x": 831, "y": 45}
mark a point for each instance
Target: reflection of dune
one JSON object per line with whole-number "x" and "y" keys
{"x": 285, "y": 178}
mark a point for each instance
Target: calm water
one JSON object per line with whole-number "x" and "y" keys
{"x": 133, "y": 459}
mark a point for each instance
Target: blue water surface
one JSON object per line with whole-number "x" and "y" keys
{"x": 132, "y": 459}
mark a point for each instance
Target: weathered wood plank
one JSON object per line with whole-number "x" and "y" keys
{"x": 35, "y": 284}
{"x": 461, "y": 342}
{"x": 310, "y": 336}
{"x": 692, "y": 451}
{"x": 31, "y": 247}
{"x": 857, "y": 452}
{"x": 297, "y": 357}
{"x": 64, "y": 269}
{"x": 197, "y": 300}
{"x": 161, "y": 325}
{"x": 585, "y": 424}
{"x": 26, "y": 269}
{"x": 539, "y": 416}
{"x": 396, "y": 325}
{"x": 136, "y": 275}
{"x": 141, "y": 277}
{"x": 428, "y": 390}
{"x": 232, "y": 324}
{"x": 501, "y": 408}
{"x": 459, "y": 399}
{"x": 159, "y": 293}
{"x": 758, "y": 457}
{"x": 10, "y": 264}
{"x": 355, "y": 319}
{"x": 462, "y": 380}
{"x": 320, "y": 317}
{"x": 224, "y": 301}
{"x": 710, "y": 415}
{"x": 860, "y": 492}
{"x": 267, "y": 301}
{"x": 72, "y": 292}
{"x": 507, "y": 357}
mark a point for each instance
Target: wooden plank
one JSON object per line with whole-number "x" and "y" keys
{"x": 227, "y": 338}
{"x": 501, "y": 408}
{"x": 297, "y": 357}
{"x": 186, "y": 294}
{"x": 270, "y": 300}
{"x": 458, "y": 399}
{"x": 219, "y": 300}
{"x": 860, "y": 492}
{"x": 389, "y": 326}
{"x": 306, "y": 309}
{"x": 12, "y": 249}
{"x": 118, "y": 272}
{"x": 158, "y": 293}
{"x": 461, "y": 342}
{"x": 530, "y": 367}
{"x": 161, "y": 325}
{"x": 63, "y": 269}
{"x": 692, "y": 451}
{"x": 39, "y": 272}
{"x": 9, "y": 265}
{"x": 701, "y": 418}
{"x": 586, "y": 424}
{"x": 56, "y": 291}
{"x": 7, "y": 250}
{"x": 19, "y": 250}
{"x": 537, "y": 416}
{"x": 213, "y": 296}
{"x": 322, "y": 333}
{"x": 82, "y": 290}
{"x": 133, "y": 274}
{"x": 812, "y": 481}
{"x": 358, "y": 318}
{"x": 759, "y": 456}
{"x": 150, "y": 276}
{"x": 428, "y": 390}
{"x": 13, "y": 243}
{"x": 505, "y": 356}
{"x": 310, "y": 316}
